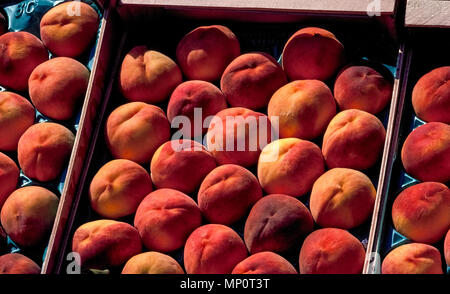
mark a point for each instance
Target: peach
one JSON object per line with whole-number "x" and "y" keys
{"x": 16, "y": 116}
{"x": 342, "y": 198}
{"x": 213, "y": 249}
{"x": 422, "y": 212}
{"x": 3, "y": 24}
{"x": 192, "y": 95}
{"x": 44, "y": 149}
{"x": 9, "y": 177}
{"x": 135, "y": 130}
{"x": 363, "y": 88}
{"x": 303, "y": 108}
{"x": 152, "y": 263}
{"x": 312, "y": 53}
{"x": 20, "y": 53}
{"x": 331, "y": 251}
{"x": 28, "y": 215}
{"x": 413, "y": 258}
{"x": 227, "y": 193}
{"x": 251, "y": 79}
{"x": 353, "y": 139}
{"x": 236, "y": 136}
{"x": 18, "y": 264}
{"x": 431, "y": 96}
{"x": 166, "y": 218}
{"x": 205, "y": 52}
{"x": 290, "y": 166}
{"x": 277, "y": 223}
{"x": 426, "y": 153}
{"x": 148, "y": 76}
{"x": 181, "y": 165}
{"x": 118, "y": 188}
{"x": 447, "y": 248}
{"x": 58, "y": 86}
{"x": 68, "y": 29}
{"x": 106, "y": 243}
{"x": 264, "y": 263}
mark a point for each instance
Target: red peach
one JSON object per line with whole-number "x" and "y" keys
{"x": 9, "y": 177}
{"x": 264, "y": 263}
{"x": 18, "y": 264}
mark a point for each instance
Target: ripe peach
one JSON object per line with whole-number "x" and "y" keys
{"x": 213, "y": 249}
{"x": 181, "y": 165}
{"x": 353, "y": 139}
{"x": 18, "y": 264}
{"x": 264, "y": 263}
{"x": 28, "y": 215}
{"x": 227, "y": 193}
{"x": 312, "y": 53}
{"x": 342, "y": 198}
{"x": 135, "y": 130}
{"x": 68, "y": 29}
{"x": 9, "y": 176}
{"x": 118, "y": 187}
{"x": 304, "y": 109}
{"x": 20, "y": 53}
{"x": 447, "y": 248}
{"x": 166, "y": 218}
{"x": 152, "y": 263}
{"x": 290, "y": 166}
{"x": 426, "y": 153}
{"x": 205, "y": 52}
{"x": 331, "y": 251}
{"x": 148, "y": 76}
{"x": 251, "y": 79}
{"x": 44, "y": 150}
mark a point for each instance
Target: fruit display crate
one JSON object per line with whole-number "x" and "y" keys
{"x": 264, "y": 27}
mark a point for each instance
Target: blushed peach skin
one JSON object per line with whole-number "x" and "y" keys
{"x": 265, "y": 263}
{"x": 58, "y": 86}
{"x": 68, "y": 29}
{"x": 20, "y": 53}
{"x": 422, "y": 212}
{"x": 152, "y": 263}
{"x": 28, "y": 215}
{"x": 166, "y": 218}
{"x": 227, "y": 193}
{"x": 290, "y": 166}
{"x": 331, "y": 251}
{"x": 277, "y": 223}
{"x": 205, "y": 52}
{"x": 213, "y": 249}
{"x": 447, "y": 248}
{"x": 18, "y": 264}
{"x": 106, "y": 243}
{"x": 342, "y": 198}
{"x": 353, "y": 139}
{"x": 9, "y": 177}
{"x": 413, "y": 258}
{"x": 312, "y": 53}
{"x": 118, "y": 188}
{"x": 251, "y": 79}
{"x": 135, "y": 130}
{"x": 426, "y": 153}
{"x": 304, "y": 108}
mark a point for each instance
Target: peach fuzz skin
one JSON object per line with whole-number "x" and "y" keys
{"x": 18, "y": 264}
{"x": 9, "y": 177}
{"x": 447, "y": 248}
{"x": 265, "y": 263}
{"x": 152, "y": 263}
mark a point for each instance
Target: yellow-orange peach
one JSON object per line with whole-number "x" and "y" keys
{"x": 213, "y": 249}
{"x": 118, "y": 188}
{"x": 290, "y": 166}
{"x": 331, "y": 251}
{"x": 312, "y": 53}
{"x": 28, "y": 214}
{"x": 106, "y": 243}
{"x": 413, "y": 258}
{"x": 152, "y": 263}
{"x": 20, "y": 53}
{"x": 251, "y": 79}
{"x": 58, "y": 86}
{"x": 447, "y": 248}
{"x": 44, "y": 149}
{"x": 303, "y": 109}
{"x": 353, "y": 139}
{"x": 342, "y": 198}
{"x": 9, "y": 176}
{"x": 68, "y": 29}
{"x": 422, "y": 212}
{"x": 227, "y": 193}
{"x": 205, "y": 52}
{"x": 135, "y": 130}
{"x": 148, "y": 75}
{"x": 18, "y": 264}
{"x": 265, "y": 263}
